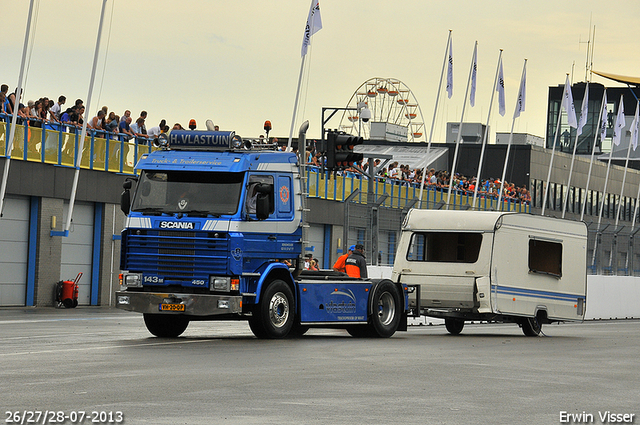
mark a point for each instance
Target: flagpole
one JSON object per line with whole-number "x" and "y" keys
{"x": 553, "y": 149}
{"x": 506, "y": 162}
{"x": 83, "y": 133}
{"x": 295, "y": 107}
{"x": 519, "y": 107}
{"x": 433, "y": 121}
{"x": 634, "y": 140}
{"x": 593, "y": 151}
{"x": 604, "y": 195}
{"x": 626, "y": 165}
{"x": 484, "y": 138}
{"x": 14, "y": 118}
{"x": 314, "y": 24}
{"x": 616, "y": 136}
{"x": 455, "y": 155}
{"x": 585, "y": 101}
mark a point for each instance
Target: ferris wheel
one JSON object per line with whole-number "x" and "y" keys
{"x": 395, "y": 112}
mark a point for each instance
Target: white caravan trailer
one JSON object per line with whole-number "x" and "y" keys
{"x": 494, "y": 266}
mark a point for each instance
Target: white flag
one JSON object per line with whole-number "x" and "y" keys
{"x": 314, "y": 24}
{"x": 584, "y": 110}
{"x": 567, "y": 104}
{"x": 603, "y": 118}
{"x": 634, "y": 129}
{"x": 521, "y": 93}
{"x": 617, "y": 129}
{"x": 450, "y": 71}
{"x": 474, "y": 71}
{"x": 500, "y": 89}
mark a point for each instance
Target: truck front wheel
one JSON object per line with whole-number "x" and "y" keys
{"x": 274, "y": 316}
{"x": 386, "y": 310}
{"x": 165, "y": 325}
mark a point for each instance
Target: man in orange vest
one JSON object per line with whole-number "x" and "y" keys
{"x": 339, "y": 264}
{"x": 356, "y": 264}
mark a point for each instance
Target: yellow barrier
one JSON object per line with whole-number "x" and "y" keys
{"x": 338, "y": 188}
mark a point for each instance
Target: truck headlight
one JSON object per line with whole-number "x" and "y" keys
{"x": 217, "y": 283}
{"x": 133, "y": 280}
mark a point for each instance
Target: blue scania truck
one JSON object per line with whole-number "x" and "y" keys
{"x": 214, "y": 232}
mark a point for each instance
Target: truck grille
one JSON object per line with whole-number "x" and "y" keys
{"x": 175, "y": 254}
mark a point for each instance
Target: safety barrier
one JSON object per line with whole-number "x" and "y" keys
{"x": 400, "y": 194}
{"x": 58, "y": 144}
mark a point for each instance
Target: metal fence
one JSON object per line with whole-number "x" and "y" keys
{"x": 613, "y": 250}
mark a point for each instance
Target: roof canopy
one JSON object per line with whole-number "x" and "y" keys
{"x": 620, "y": 78}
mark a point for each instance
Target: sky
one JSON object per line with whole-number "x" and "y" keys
{"x": 238, "y": 62}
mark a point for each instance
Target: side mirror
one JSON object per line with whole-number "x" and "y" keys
{"x": 125, "y": 197}
{"x": 263, "y": 202}
{"x": 125, "y": 201}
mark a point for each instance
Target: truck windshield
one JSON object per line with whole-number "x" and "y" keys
{"x": 188, "y": 192}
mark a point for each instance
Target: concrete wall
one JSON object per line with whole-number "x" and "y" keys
{"x": 613, "y": 297}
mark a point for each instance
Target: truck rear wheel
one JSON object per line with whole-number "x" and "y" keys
{"x": 274, "y": 315}
{"x": 531, "y": 326}
{"x": 454, "y": 326}
{"x": 165, "y": 326}
{"x": 386, "y": 309}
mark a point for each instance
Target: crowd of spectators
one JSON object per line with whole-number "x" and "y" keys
{"x": 403, "y": 174}
{"x": 48, "y": 113}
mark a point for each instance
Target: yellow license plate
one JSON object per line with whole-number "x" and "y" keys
{"x": 172, "y": 307}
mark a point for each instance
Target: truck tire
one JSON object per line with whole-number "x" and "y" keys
{"x": 531, "y": 326}
{"x": 274, "y": 316}
{"x": 298, "y": 330}
{"x": 165, "y": 325}
{"x": 387, "y": 308}
{"x": 454, "y": 326}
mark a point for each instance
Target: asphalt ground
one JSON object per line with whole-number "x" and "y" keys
{"x": 103, "y": 360}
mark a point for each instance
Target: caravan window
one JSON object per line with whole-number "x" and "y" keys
{"x": 445, "y": 247}
{"x": 545, "y": 257}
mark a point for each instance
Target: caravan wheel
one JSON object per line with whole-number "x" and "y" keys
{"x": 454, "y": 326}
{"x": 531, "y": 326}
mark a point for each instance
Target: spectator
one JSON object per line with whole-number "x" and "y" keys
{"x": 56, "y": 109}
{"x": 11, "y": 101}
{"x": 313, "y": 264}
{"x": 96, "y": 122}
{"x": 127, "y": 114}
{"x": 136, "y": 129}
{"x": 143, "y": 129}
{"x": 192, "y": 124}
{"x": 307, "y": 261}
{"x": 178, "y": 126}
{"x": 125, "y": 128}
{"x": 309, "y": 155}
{"x": 155, "y": 131}
{"x": 356, "y": 264}
{"x": 4, "y": 89}
{"x": 112, "y": 122}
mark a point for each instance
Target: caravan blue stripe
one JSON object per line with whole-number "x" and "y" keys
{"x": 538, "y": 294}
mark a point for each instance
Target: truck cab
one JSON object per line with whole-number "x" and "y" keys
{"x": 214, "y": 231}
